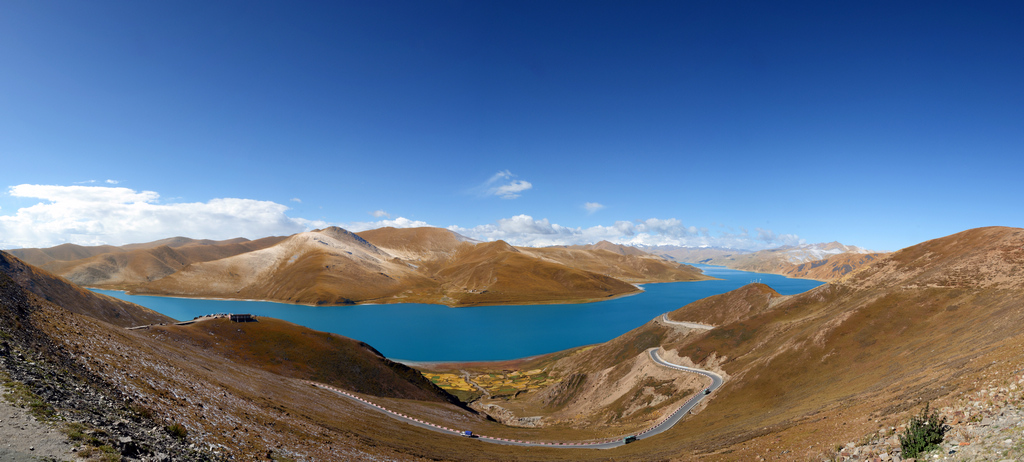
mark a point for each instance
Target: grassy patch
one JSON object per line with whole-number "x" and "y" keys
{"x": 19, "y": 394}
{"x": 105, "y": 453}
{"x": 92, "y": 447}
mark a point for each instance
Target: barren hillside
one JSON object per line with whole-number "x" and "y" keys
{"x": 807, "y": 372}
{"x": 831, "y": 268}
{"x": 906, "y": 328}
{"x": 428, "y": 265}
{"x": 59, "y": 291}
{"x": 621, "y": 262}
{"x": 127, "y": 266}
{"x": 804, "y": 373}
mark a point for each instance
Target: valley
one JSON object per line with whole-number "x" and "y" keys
{"x": 802, "y": 374}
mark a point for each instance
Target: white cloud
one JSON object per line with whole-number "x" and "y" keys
{"x": 592, "y": 207}
{"x": 400, "y": 222}
{"x": 93, "y": 215}
{"x": 512, "y": 190}
{"x": 112, "y": 182}
{"x": 296, "y": 200}
{"x": 770, "y": 236}
{"x": 496, "y": 185}
{"x": 524, "y": 230}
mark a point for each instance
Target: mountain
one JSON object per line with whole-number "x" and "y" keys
{"x": 237, "y": 390}
{"x": 908, "y": 327}
{"x": 330, "y": 266}
{"x": 830, "y": 268}
{"x": 334, "y": 266}
{"x": 126, "y": 266}
{"x": 809, "y": 372}
{"x": 77, "y": 300}
{"x": 704, "y": 255}
{"x": 621, "y": 262}
{"x": 803, "y": 373}
{"x": 786, "y": 260}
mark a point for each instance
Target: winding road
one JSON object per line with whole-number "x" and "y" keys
{"x": 664, "y": 424}
{"x": 691, "y": 325}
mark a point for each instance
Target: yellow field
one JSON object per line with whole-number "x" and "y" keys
{"x": 449, "y": 381}
{"x": 497, "y": 383}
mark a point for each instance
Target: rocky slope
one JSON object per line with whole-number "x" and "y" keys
{"x": 234, "y": 390}
{"x": 907, "y": 328}
{"x": 58, "y": 291}
{"x": 808, "y": 373}
{"x": 51, "y": 381}
{"x": 805, "y": 374}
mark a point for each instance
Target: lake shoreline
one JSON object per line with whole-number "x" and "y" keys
{"x": 423, "y": 335}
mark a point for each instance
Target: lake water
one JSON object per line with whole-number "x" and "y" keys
{"x": 421, "y": 332}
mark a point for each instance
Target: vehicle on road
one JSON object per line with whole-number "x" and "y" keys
{"x": 629, "y": 439}
{"x": 707, "y": 391}
{"x": 467, "y": 433}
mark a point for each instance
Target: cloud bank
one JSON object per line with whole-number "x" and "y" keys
{"x": 96, "y": 215}
{"x": 524, "y": 230}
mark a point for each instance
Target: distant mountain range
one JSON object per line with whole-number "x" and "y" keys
{"x": 334, "y": 266}
{"x": 826, "y": 261}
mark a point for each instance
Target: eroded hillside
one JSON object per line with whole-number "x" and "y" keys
{"x": 334, "y": 266}
{"x": 810, "y": 371}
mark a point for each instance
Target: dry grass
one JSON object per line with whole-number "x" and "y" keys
{"x": 806, "y": 373}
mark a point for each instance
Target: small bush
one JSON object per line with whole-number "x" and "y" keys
{"x": 177, "y": 431}
{"x": 924, "y": 433}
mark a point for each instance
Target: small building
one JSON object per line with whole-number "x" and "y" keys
{"x": 242, "y": 317}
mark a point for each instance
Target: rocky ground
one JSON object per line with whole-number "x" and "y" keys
{"x": 91, "y": 422}
{"x": 22, "y": 438}
{"x": 984, "y": 425}
{"x": 77, "y": 406}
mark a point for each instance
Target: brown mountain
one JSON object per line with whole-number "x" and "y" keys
{"x": 237, "y": 389}
{"x": 906, "y": 328}
{"x": 126, "y": 266}
{"x": 831, "y": 268}
{"x": 804, "y": 373}
{"x": 621, "y": 262}
{"x": 60, "y": 292}
{"x": 330, "y": 266}
{"x": 807, "y": 372}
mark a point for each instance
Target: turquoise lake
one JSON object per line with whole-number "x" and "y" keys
{"x": 421, "y": 332}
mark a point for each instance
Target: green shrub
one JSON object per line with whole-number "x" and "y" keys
{"x": 177, "y": 431}
{"x": 924, "y": 433}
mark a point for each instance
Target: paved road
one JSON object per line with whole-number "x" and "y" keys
{"x": 691, "y": 325}
{"x": 668, "y": 422}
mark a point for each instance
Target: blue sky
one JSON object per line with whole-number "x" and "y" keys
{"x": 744, "y": 124}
